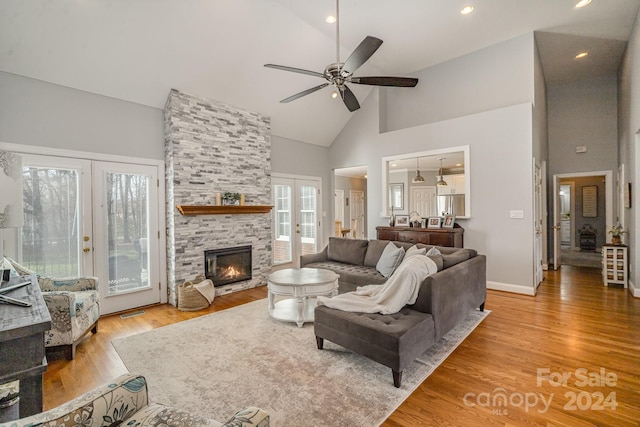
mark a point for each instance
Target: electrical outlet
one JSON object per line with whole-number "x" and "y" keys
{"x": 516, "y": 214}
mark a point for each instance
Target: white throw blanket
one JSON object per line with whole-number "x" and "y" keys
{"x": 399, "y": 290}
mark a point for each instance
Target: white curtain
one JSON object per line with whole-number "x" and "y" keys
{"x": 11, "y": 190}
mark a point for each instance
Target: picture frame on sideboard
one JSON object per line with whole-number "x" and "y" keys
{"x": 448, "y": 221}
{"x": 433, "y": 222}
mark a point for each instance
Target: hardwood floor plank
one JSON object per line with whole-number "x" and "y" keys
{"x": 573, "y": 323}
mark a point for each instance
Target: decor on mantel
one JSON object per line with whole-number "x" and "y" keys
{"x": 218, "y": 210}
{"x": 230, "y": 199}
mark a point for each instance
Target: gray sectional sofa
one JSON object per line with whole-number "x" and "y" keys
{"x": 445, "y": 298}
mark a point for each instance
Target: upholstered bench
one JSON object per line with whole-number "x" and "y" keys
{"x": 394, "y": 340}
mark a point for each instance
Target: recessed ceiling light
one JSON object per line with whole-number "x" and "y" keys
{"x": 466, "y": 10}
{"x": 582, "y": 3}
{"x": 458, "y": 164}
{"x": 582, "y": 55}
{"x": 330, "y": 19}
{"x": 394, "y": 165}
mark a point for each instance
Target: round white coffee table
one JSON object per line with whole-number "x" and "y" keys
{"x": 303, "y": 284}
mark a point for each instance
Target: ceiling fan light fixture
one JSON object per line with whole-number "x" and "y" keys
{"x": 466, "y": 10}
{"x": 334, "y": 94}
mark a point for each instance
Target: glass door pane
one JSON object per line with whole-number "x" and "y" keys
{"x": 308, "y": 222}
{"x": 283, "y": 231}
{"x": 54, "y": 235}
{"x": 127, "y": 232}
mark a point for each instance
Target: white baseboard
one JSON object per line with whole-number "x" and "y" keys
{"x": 508, "y": 287}
{"x": 634, "y": 291}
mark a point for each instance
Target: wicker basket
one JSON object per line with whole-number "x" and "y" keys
{"x": 189, "y": 298}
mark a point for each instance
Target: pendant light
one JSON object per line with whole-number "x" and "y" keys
{"x": 418, "y": 177}
{"x": 441, "y": 180}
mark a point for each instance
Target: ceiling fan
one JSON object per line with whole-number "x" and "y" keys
{"x": 339, "y": 73}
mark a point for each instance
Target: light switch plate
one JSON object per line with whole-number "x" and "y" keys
{"x": 581, "y": 149}
{"x": 516, "y": 214}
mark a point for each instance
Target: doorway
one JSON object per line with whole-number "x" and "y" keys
{"x": 94, "y": 218}
{"x": 296, "y": 219}
{"x": 582, "y": 214}
{"x": 350, "y": 201}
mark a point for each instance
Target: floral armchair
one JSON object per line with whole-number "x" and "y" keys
{"x": 74, "y": 307}
{"x": 125, "y": 402}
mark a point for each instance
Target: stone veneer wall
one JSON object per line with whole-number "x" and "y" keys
{"x": 213, "y": 148}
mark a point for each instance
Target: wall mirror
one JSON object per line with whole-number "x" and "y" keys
{"x": 432, "y": 183}
{"x": 396, "y": 196}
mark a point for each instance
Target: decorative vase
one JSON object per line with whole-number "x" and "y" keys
{"x": 615, "y": 240}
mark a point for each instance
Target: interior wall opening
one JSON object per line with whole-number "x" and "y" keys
{"x": 350, "y": 202}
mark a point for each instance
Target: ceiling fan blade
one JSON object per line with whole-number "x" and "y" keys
{"x": 349, "y": 99}
{"x": 385, "y": 81}
{"x": 359, "y": 56}
{"x": 295, "y": 70}
{"x": 303, "y": 93}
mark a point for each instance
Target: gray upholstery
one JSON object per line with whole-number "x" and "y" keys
{"x": 350, "y": 251}
{"x": 455, "y": 258}
{"x": 444, "y": 299}
{"x": 394, "y": 340}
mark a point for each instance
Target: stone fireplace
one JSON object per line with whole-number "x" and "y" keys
{"x": 213, "y": 148}
{"x": 228, "y": 265}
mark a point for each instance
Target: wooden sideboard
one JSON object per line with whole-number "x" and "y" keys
{"x": 22, "y": 354}
{"x": 452, "y": 237}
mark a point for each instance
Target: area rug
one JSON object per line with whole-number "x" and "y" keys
{"x": 217, "y": 364}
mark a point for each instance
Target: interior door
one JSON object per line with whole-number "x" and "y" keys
{"x": 423, "y": 201}
{"x": 126, "y": 235}
{"x": 57, "y": 235}
{"x": 556, "y": 223}
{"x": 338, "y": 213}
{"x": 538, "y": 274}
{"x": 296, "y": 228}
{"x": 356, "y": 208}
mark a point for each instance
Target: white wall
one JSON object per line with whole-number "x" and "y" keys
{"x": 34, "y": 112}
{"x": 583, "y": 113}
{"x": 629, "y": 145}
{"x": 491, "y": 78}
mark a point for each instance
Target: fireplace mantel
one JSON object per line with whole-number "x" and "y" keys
{"x": 222, "y": 210}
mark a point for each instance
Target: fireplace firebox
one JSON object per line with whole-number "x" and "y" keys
{"x": 228, "y": 265}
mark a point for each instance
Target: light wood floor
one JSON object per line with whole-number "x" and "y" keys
{"x": 573, "y": 326}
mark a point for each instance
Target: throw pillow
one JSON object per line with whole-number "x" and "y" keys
{"x": 390, "y": 259}
{"x": 350, "y": 251}
{"x": 433, "y": 251}
{"x": 455, "y": 258}
{"x": 414, "y": 250}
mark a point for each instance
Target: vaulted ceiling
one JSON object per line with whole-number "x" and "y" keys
{"x": 137, "y": 50}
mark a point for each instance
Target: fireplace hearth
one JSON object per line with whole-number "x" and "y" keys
{"x": 228, "y": 265}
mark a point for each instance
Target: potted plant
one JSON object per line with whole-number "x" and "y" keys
{"x": 231, "y": 199}
{"x": 616, "y": 234}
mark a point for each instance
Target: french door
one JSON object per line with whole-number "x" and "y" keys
{"x": 93, "y": 218}
{"x": 296, "y": 223}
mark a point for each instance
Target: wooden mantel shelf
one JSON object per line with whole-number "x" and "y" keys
{"x": 218, "y": 210}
